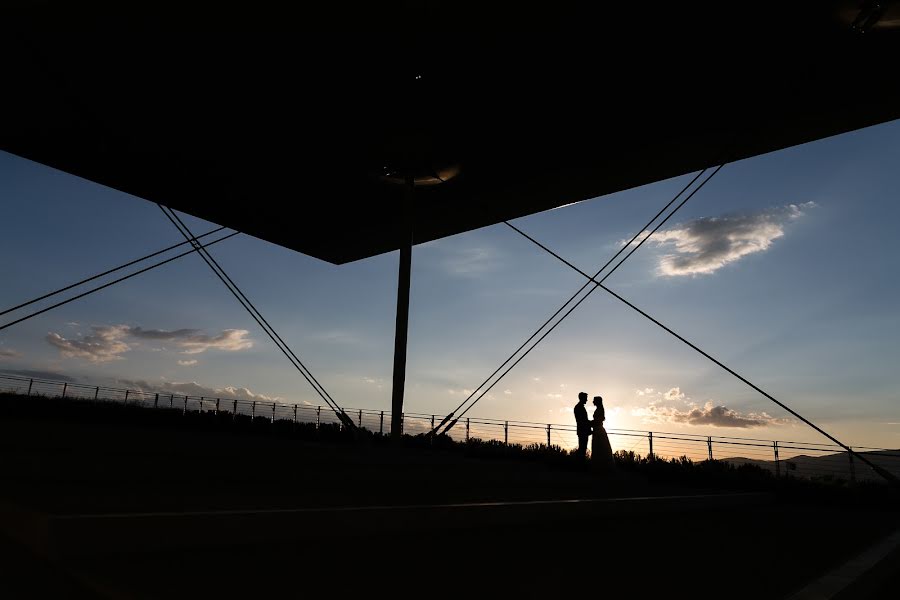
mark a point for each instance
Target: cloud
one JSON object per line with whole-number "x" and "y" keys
{"x": 674, "y": 394}
{"x": 192, "y": 388}
{"x": 108, "y": 343}
{"x": 471, "y": 262}
{"x": 6, "y": 354}
{"x": 705, "y": 245}
{"x": 187, "y": 363}
{"x": 554, "y": 395}
{"x": 194, "y": 341}
{"x": 507, "y": 392}
{"x": 644, "y": 391}
{"x": 710, "y": 414}
{"x": 463, "y": 392}
{"x": 378, "y": 383}
{"x": 103, "y": 345}
{"x": 51, "y": 375}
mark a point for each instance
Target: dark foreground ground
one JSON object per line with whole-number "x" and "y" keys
{"x": 122, "y": 510}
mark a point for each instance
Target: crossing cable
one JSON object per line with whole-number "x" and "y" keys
{"x": 561, "y": 308}
{"x": 104, "y": 273}
{"x": 261, "y": 321}
{"x": 583, "y": 298}
{"x": 257, "y": 316}
{"x": 887, "y": 475}
{"x": 120, "y": 279}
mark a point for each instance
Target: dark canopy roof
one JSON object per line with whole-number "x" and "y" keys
{"x": 284, "y": 125}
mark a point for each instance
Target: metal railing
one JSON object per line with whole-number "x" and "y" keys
{"x": 799, "y": 459}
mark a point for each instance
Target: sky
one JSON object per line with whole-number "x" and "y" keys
{"x": 784, "y": 267}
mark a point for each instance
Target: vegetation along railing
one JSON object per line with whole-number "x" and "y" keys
{"x": 799, "y": 459}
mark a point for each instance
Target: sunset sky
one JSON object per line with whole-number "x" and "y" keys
{"x": 783, "y": 266}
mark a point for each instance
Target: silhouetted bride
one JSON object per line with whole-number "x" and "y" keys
{"x": 601, "y": 451}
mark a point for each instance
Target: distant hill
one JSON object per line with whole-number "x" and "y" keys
{"x": 836, "y": 465}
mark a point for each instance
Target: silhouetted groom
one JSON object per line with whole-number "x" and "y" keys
{"x": 584, "y": 425}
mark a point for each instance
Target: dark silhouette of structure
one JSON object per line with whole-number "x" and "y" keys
{"x": 241, "y": 115}
{"x": 601, "y": 450}
{"x": 584, "y": 425}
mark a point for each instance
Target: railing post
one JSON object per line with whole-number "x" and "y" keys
{"x": 548, "y": 435}
{"x": 650, "y": 438}
{"x": 253, "y": 410}
{"x": 506, "y": 432}
{"x": 30, "y": 383}
{"x": 318, "y": 416}
{"x": 217, "y": 406}
{"x": 359, "y": 422}
{"x": 234, "y": 411}
{"x": 777, "y": 462}
{"x": 156, "y": 401}
{"x": 402, "y": 422}
{"x": 65, "y": 385}
{"x": 273, "y": 413}
{"x": 381, "y": 423}
{"x": 709, "y": 446}
{"x": 295, "y": 414}
{"x": 852, "y": 465}
{"x": 467, "y": 429}
{"x": 184, "y": 410}
{"x": 201, "y": 403}
{"x": 126, "y": 397}
{"x": 96, "y": 392}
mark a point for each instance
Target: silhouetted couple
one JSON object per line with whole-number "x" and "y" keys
{"x": 601, "y": 451}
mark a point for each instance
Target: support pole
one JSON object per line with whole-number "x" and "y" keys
{"x": 402, "y": 323}
{"x": 650, "y": 438}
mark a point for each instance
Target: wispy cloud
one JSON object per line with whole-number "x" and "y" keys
{"x": 705, "y": 245}
{"x": 507, "y": 392}
{"x": 338, "y": 336}
{"x": 194, "y": 341}
{"x": 462, "y": 392}
{"x": 471, "y": 262}
{"x": 108, "y": 343}
{"x": 377, "y": 382}
{"x": 187, "y": 363}
{"x": 6, "y": 354}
